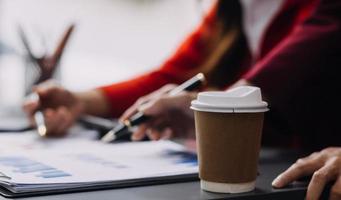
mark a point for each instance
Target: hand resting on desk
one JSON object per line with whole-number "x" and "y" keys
{"x": 325, "y": 166}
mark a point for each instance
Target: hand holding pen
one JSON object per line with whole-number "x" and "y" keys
{"x": 52, "y": 109}
{"x": 161, "y": 114}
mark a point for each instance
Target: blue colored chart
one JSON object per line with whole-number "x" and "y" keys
{"x": 25, "y": 165}
{"x": 182, "y": 157}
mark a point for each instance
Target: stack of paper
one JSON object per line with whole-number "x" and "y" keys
{"x": 29, "y": 163}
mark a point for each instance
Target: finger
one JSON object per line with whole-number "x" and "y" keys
{"x": 30, "y": 106}
{"x": 143, "y": 100}
{"x": 335, "y": 191}
{"x": 51, "y": 83}
{"x": 155, "y": 107}
{"x": 49, "y": 117}
{"x": 139, "y": 133}
{"x": 129, "y": 112}
{"x": 134, "y": 108}
{"x": 31, "y": 103}
{"x": 302, "y": 167}
{"x": 70, "y": 119}
{"x": 52, "y": 121}
{"x": 325, "y": 174}
{"x": 158, "y": 93}
{"x": 47, "y": 113}
{"x": 166, "y": 134}
{"x": 61, "y": 129}
{"x": 50, "y": 97}
{"x": 167, "y": 88}
{"x": 153, "y": 134}
{"x": 140, "y": 102}
{"x": 45, "y": 88}
{"x": 181, "y": 101}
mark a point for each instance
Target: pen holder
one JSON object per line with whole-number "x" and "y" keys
{"x": 33, "y": 73}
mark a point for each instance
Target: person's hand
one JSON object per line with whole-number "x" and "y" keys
{"x": 325, "y": 166}
{"x": 171, "y": 115}
{"x": 60, "y": 107}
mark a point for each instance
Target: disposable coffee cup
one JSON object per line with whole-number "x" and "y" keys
{"x": 228, "y": 130}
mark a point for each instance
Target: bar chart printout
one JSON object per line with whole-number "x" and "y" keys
{"x": 28, "y": 164}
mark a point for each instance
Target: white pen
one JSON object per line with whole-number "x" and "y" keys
{"x": 39, "y": 117}
{"x": 40, "y": 123}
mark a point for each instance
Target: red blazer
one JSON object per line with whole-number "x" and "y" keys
{"x": 296, "y": 71}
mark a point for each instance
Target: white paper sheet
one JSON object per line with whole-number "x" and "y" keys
{"x": 35, "y": 163}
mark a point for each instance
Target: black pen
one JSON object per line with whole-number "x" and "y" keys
{"x": 121, "y": 129}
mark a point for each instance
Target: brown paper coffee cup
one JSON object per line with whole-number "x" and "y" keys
{"x": 228, "y": 138}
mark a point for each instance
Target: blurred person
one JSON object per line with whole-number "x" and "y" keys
{"x": 290, "y": 49}
{"x": 236, "y": 40}
{"x": 299, "y": 80}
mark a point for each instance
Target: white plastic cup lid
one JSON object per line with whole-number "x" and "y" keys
{"x": 243, "y": 99}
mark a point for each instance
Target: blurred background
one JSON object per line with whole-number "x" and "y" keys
{"x": 112, "y": 41}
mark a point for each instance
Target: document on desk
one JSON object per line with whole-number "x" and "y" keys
{"x": 32, "y": 164}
